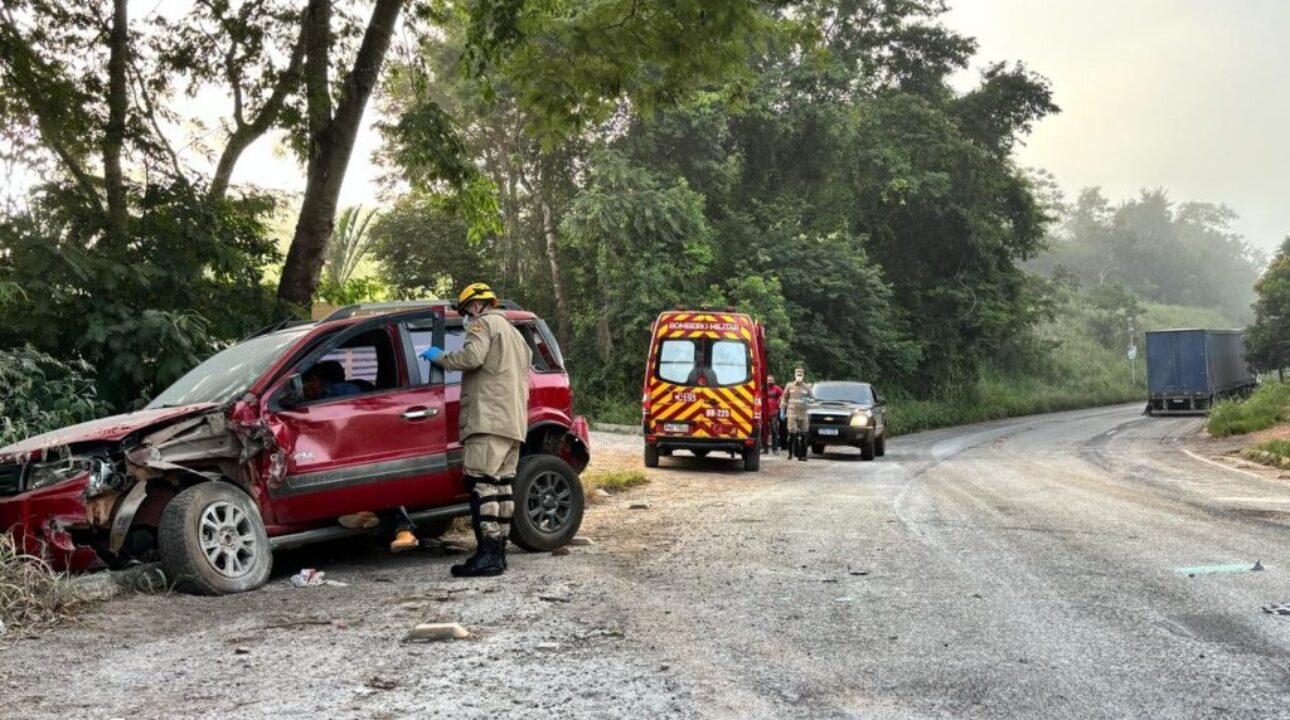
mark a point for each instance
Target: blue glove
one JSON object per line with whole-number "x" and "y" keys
{"x": 432, "y": 353}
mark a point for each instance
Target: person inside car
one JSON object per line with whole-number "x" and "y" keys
{"x": 327, "y": 380}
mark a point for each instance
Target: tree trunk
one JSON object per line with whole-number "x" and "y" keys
{"x": 331, "y": 141}
{"x": 114, "y": 133}
{"x": 553, "y": 257}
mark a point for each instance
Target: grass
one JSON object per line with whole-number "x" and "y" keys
{"x": 32, "y": 595}
{"x": 1260, "y": 411}
{"x": 614, "y": 480}
{"x": 1269, "y": 452}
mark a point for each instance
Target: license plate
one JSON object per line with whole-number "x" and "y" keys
{"x": 831, "y": 432}
{"x": 676, "y": 427}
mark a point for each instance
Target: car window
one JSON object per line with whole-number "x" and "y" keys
{"x": 362, "y": 364}
{"x": 544, "y": 358}
{"x": 842, "y": 392}
{"x": 677, "y": 360}
{"x": 422, "y": 338}
{"x": 730, "y": 361}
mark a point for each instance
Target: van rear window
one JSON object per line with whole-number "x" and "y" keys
{"x": 677, "y": 360}
{"x": 717, "y": 362}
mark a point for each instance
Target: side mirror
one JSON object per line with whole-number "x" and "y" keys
{"x": 295, "y": 393}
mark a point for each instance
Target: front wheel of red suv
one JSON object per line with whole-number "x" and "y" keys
{"x": 548, "y": 503}
{"x": 213, "y": 541}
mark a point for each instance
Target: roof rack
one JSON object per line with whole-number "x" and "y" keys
{"x": 706, "y": 308}
{"x": 350, "y": 311}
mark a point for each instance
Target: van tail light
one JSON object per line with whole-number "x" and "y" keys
{"x": 757, "y": 409}
{"x": 645, "y": 404}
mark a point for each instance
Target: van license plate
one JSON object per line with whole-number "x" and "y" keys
{"x": 676, "y": 427}
{"x": 830, "y": 432}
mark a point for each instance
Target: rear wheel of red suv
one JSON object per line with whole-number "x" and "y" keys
{"x": 548, "y": 503}
{"x": 213, "y": 541}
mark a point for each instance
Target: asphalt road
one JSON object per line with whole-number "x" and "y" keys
{"x": 1019, "y": 569}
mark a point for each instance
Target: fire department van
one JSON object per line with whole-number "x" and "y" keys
{"x": 705, "y": 380}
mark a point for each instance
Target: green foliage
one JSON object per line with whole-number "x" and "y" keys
{"x": 1265, "y": 408}
{"x": 349, "y": 243}
{"x": 141, "y": 314}
{"x": 39, "y": 393}
{"x": 1275, "y": 452}
{"x": 1268, "y": 340}
{"x": 615, "y": 479}
{"x": 1181, "y": 254}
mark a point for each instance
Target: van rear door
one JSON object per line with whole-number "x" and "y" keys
{"x": 702, "y": 384}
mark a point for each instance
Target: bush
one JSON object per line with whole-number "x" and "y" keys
{"x": 39, "y": 394}
{"x": 1261, "y": 410}
{"x": 31, "y": 594}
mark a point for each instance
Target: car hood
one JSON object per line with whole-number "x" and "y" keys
{"x": 108, "y": 429}
{"x": 838, "y": 408}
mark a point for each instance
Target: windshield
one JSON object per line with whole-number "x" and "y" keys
{"x": 228, "y": 373}
{"x": 843, "y": 392}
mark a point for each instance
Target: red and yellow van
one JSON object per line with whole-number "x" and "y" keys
{"x": 705, "y": 383}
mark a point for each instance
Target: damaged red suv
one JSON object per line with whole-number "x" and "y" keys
{"x": 239, "y": 458}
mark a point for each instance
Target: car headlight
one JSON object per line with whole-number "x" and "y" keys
{"x": 41, "y": 475}
{"x": 859, "y": 420}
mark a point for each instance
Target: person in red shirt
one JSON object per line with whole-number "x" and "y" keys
{"x": 770, "y": 441}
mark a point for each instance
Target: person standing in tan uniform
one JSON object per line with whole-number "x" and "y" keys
{"x": 796, "y": 396}
{"x": 495, "y": 364}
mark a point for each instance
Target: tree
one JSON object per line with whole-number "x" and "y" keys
{"x": 1268, "y": 339}
{"x": 349, "y": 244}
{"x": 332, "y": 125}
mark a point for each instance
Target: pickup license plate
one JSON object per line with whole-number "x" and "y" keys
{"x": 676, "y": 427}
{"x": 830, "y": 432}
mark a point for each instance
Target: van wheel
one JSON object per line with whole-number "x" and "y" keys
{"x": 700, "y": 453}
{"x": 651, "y": 456}
{"x": 213, "y": 542}
{"x": 867, "y": 449}
{"x": 752, "y": 459}
{"x": 548, "y": 503}
{"x": 880, "y": 445}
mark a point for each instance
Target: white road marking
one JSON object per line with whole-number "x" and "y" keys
{"x": 1215, "y": 463}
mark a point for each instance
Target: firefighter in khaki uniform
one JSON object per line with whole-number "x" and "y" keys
{"x": 796, "y": 396}
{"x": 495, "y": 364}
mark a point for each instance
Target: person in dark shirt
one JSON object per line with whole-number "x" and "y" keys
{"x": 770, "y": 441}
{"x": 327, "y": 380}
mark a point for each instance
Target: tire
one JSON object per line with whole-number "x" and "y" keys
{"x": 700, "y": 453}
{"x": 548, "y": 503}
{"x": 867, "y": 448}
{"x": 752, "y": 459}
{"x": 213, "y": 542}
{"x": 817, "y": 449}
{"x": 880, "y": 446}
{"x": 651, "y": 456}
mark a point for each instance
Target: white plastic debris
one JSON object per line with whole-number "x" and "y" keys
{"x": 310, "y": 577}
{"x": 437, "y": 631}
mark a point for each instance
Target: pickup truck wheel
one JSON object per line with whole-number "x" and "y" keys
{"x": 880, "y": 446}
{"x": 867, "y": 448}
{"x": 651, "y": 456}
{"x": 213, "y": 542}
{"x": 548, "y": 503}
{"x": 817, "y": 449}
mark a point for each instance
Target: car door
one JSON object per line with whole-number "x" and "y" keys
{"x": 382, "y": 448}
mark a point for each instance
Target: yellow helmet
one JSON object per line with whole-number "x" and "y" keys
{"x": 477, "y": 291}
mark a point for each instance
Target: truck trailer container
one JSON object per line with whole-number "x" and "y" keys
{"x": 1189, "y": 370}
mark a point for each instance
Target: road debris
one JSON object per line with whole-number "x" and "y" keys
{"x": 426, "y": 632}
{"x": 548, "y": 646}
{"x": 1257, "y": 566}
{"x": 553, "y": 598}
{"x": 1277, "y": 609}
{"x": 560, "y": 551}
{"x": 582, "y": 541}
{"x": 241, "y": 651}
{"x": 638, "y": 506}
{"x": 602, "y": 493}
{"x": 377, "y": 682}
{"x": 310, "y": 577}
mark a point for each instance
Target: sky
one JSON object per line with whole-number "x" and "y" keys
{"x": 1187, "y": 95}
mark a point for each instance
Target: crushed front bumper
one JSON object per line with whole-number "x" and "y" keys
{"x": 42, "y": 523}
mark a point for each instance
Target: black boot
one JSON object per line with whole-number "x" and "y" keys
{"x": 489, "y": 560}
{"x": 801, "y": 447}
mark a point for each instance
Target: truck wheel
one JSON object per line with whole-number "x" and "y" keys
{"x": 213, "y": 542}
{"x": 651, "y": 456}
{"x": 867, "y": 448}
{"x": 752, "y": 459}
{"x": 880, "y": 446}
{"x": 548, "y": 503}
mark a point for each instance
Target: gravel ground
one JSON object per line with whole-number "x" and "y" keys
{"x": 1017, "y": 569}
